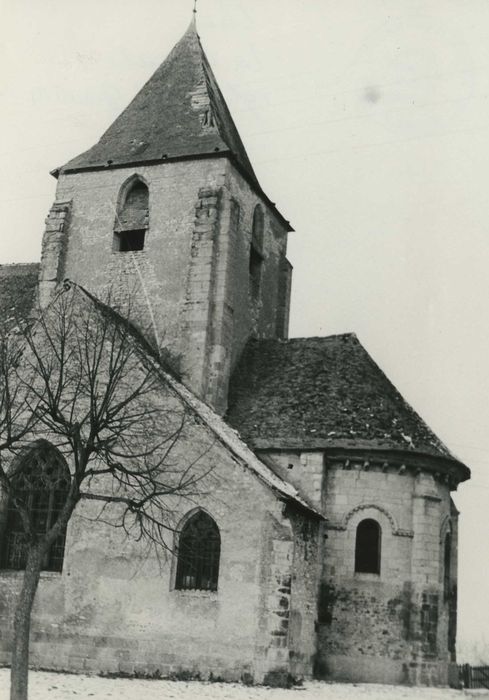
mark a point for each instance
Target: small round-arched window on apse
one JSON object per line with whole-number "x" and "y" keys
{"x": 367, "y": 547}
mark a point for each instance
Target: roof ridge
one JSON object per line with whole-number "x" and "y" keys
{"x": 348, "y": 334}
{"x": 178, "y": 114}
{"x": 168, "y": 118}
{"x": 4, "y": 266}
{"x": 223, "y": 431}
{"x": 320, "y": 392}
{"x": 285, "y": 341}
{"x": 437, "y": 441}
{"x": 239, "y": 151}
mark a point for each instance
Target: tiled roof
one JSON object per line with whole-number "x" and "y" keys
{"x": 322, "y": 392}
{"x": 179, "y": 112}
{"x": 18, "y": 288}
{"x": 222, "y": 431}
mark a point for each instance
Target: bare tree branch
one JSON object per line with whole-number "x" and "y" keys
{"x": 78, "y": 377}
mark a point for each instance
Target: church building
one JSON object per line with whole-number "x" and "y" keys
{"x": 330, "y": 536}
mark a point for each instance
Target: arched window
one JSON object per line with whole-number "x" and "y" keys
{"x": 447, "y": 559}
{"x": 256, "y": 250}
{"x": 131, "y": 221}
{"x": 38, "y": 487}
{"x": 367, "y": 547}
{"x": 199, "y": 549}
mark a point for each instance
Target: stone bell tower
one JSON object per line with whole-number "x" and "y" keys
{"x": 165, "y": 217}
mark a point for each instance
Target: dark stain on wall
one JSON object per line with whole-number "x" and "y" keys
{"x": 403, "y": 608}
{"x": 326, "y": 601}
{"x": 452, "y": 621}
{"x": 429, "y": 622}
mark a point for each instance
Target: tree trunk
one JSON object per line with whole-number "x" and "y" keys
{"x": 22, "y": 625}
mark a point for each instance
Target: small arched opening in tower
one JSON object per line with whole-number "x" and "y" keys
{"x": 131, "y": 222}
{"x": 367, "y": 547}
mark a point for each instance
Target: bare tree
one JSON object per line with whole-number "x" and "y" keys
{"x": 81, "y": 381}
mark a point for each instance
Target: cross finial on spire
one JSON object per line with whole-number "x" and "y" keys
{"x": 195, "y": 7}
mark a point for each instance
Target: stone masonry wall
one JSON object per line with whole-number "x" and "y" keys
{"x": 114, "y": 607}
{"x": 237, "y": 314}
{"x": 284, "y": 292}
{"x": 276, "y": 574}
{"x": 450, "y": 595}
{"x": 199, "y": 305}
{"x": 53, "y": 249}
{"x": 390, "y": 627}
{"x": 290, "y": 572}
{"x": 265, "y": 316}
{"x": 189, "y": 289}
{"x": 305, "y": 470}
{"x": 303, "y": 607}
{"x": 151, "y": 285}
{"x": 398, "y": 626}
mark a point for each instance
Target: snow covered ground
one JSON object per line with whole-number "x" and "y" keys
{"x": 56, "y": 686}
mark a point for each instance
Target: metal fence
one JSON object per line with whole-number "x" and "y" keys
{"x": 474, "y": 676}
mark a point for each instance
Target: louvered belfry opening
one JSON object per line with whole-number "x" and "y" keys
{"x": 132, "y": 219}
{"x": 40, "y": 486}
{"x": 367, "y": 547}
{"x": 199, "y": 550}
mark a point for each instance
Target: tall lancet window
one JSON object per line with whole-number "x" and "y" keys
{"x": 39, "y": 487}
{"x": 447, "y": 560}
{"x": 199, "y": 550}
{"x": 256, "y": 251}
{"x": 131, "y": 222}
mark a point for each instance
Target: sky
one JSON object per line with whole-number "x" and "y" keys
{"x": 367, "y": 122}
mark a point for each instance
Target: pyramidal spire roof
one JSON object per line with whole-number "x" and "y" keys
{"x": 179, "y": 113}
